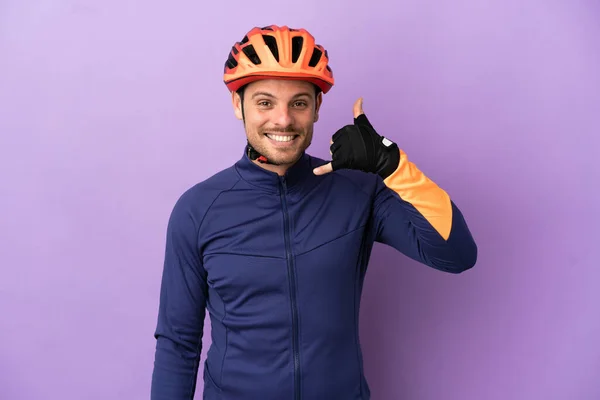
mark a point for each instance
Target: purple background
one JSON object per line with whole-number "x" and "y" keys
{"x": 109, "y": 110}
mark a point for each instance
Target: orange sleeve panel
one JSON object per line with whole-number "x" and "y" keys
{"x": 426, "y": 196}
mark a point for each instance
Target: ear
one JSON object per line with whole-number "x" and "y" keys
{"x": 319, "y": 100}
{"x": 237, "y": 105}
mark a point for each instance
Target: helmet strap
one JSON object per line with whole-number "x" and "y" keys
{"x": 255, "y": 155}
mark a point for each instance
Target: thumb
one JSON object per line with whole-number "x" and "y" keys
{"x": 323, "y": 169}
{"x": 358, "y": 109}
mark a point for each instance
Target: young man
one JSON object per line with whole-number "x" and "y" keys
{"x": 276, "y": 247}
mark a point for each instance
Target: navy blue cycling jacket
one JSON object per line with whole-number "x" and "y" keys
{"x": 279, "y": 263}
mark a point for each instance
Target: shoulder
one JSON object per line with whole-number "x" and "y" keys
{"x": 195, "y": 202}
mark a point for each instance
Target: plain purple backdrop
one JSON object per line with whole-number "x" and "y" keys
{"x": 109, "y": 110}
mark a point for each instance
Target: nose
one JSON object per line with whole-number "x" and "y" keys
{"x": 283, "y": 117}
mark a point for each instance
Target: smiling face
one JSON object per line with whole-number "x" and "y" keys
{"x": 279, "y": 117}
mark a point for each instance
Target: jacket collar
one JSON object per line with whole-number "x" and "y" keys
{"x": 271, "y": 181}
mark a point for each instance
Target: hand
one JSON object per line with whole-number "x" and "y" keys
{"x": 360, "y": 147}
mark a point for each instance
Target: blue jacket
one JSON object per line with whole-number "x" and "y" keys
{"x": 279, "y": 263}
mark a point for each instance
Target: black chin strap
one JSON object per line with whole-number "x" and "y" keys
{"x": 255, "y": 155}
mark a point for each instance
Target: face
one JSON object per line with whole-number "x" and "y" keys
{"x": 279, "y": 118}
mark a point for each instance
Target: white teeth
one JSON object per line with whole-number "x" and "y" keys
{"x": 279, "y": 138}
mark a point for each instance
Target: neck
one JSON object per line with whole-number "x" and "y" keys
{"x": 278, "y": 169}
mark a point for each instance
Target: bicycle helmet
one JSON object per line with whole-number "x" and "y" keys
{"x": 277, "y": 53}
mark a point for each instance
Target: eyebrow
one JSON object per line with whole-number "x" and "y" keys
{"x": 267, "y": 94}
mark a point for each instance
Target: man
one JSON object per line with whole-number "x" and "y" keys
{"x": 276, "y": 247}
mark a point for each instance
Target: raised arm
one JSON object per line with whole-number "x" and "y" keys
{"x": 412, "y": 213}
{"x": 418, "y": 218}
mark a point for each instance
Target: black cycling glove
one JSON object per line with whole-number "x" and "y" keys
{"x": 360, "y": 147}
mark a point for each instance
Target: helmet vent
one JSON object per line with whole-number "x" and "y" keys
{"x": 271, "y": 42}
{"x": 296, "y": 47}
{"x": 314, "y": 59}
{"x": 231, "y": 63}
{"x": 251, "y": 54}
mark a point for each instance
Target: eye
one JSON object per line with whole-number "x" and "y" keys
{"x": 300, "y": 103}
{"x": 264, "y": 103}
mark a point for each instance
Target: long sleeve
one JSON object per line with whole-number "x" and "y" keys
{"x": 181, "y": 310}
{"x": 418, "y": 218}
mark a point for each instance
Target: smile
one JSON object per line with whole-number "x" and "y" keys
{"x": 281, "y": 138}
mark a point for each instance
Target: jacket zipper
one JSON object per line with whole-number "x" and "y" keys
{"x": 292, "y": 282}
